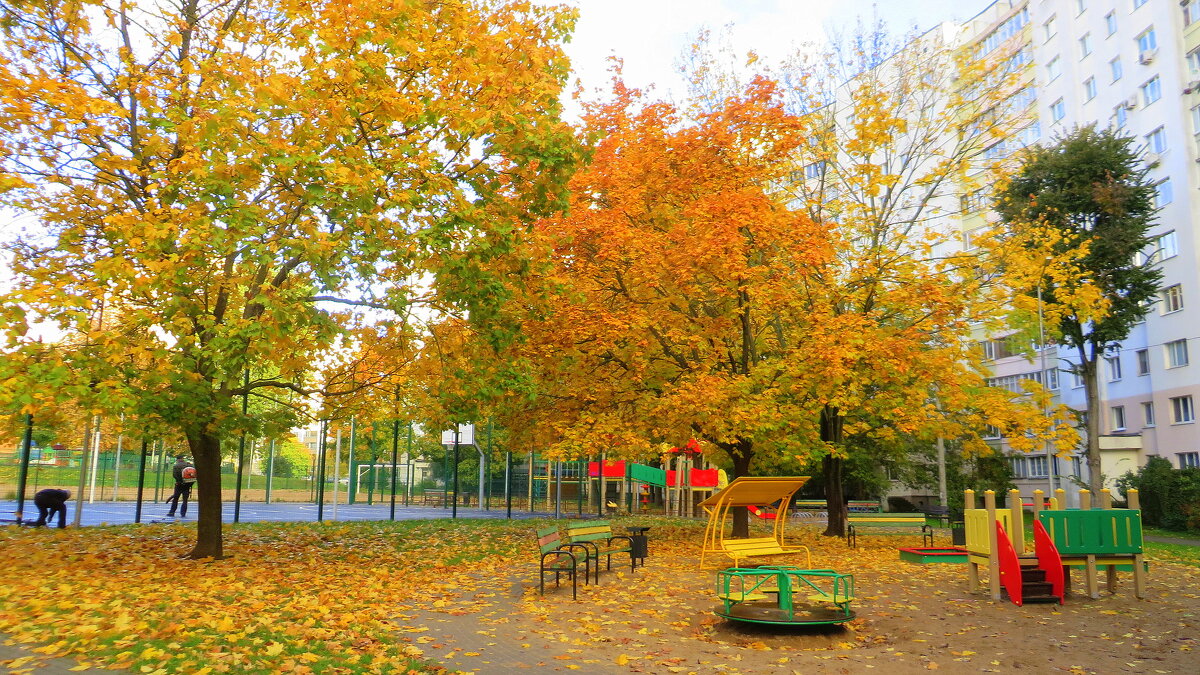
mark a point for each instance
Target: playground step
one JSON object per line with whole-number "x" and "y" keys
{"x": 1036, "y": 588}
{"x": 1034, "y": 574}
{"x": 1047, "y": 598}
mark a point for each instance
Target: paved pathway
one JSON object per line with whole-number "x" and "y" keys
{"x": 1172, "y": 540}
{"x": 118, "y": 513}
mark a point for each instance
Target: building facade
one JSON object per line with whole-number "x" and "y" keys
{"x": 1132, "y": 65}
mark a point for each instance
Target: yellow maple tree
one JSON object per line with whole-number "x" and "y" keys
{"x": 226, "y": 174}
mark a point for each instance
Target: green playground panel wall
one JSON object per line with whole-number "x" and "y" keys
{"x": 648, "y": 474}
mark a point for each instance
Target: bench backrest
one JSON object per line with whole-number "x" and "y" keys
{"x": 1095, "y": 531}
{"x": 861, "y": 506}
{"x": 885, "y": 518}
{"x": 589, "y": 530}
{"x": 549, "y": 539}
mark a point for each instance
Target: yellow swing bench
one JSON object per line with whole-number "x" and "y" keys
{"x": 741, "y": 493}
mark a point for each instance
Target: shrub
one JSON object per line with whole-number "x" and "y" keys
{"x": 1170, "y": 497}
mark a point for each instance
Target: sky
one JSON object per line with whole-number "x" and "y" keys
{"x": 651, "y": 35}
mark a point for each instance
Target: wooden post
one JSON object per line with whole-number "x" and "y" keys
{"x": 1110, "y": 571}
{"x": 1093, "y": 588}
{"x": 989, "y": 503}
{"x": 1139, "y": 567}
{"x": 1038, "y": 498}
{"x": 1061, "y": 495}
{"x": 968, "y": 499}
{"x": 1017, "y": 522}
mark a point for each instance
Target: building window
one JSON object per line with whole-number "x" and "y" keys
{"x": 1051, "y": 379}
{"x": 1182, "y": 411}
{"x": 1120, "y": 116}
{"x": 1143, "y": 361}
{"x": 1147, "y": 42}
{"x": 1050, "y": 29}
{"x": 814, "y": 170}
{"x": 1085, "y": 45}
{"x": 1011, "y": 26}
{"x": 1163, "y": 194}
{"x": 1177, "y": 353}
{"x": 1018, "y": 465}
{"x": 1151, "y": 91}
{"x": 971, "y": 241}
{"x": 1166, "y": 246}
{"x": 1030, "y": 134}
{"x": 1058, "y": 110}
{"x": 1114, "y": 368}
{"x": 1148, "y": 413}
{"x": 1114, "y": 67}
{"x": 1118, "y": 418}
{"x": 1053, "y": 69}
{"x": 1037, "y": 466}
{"x": 1089, "y": 87}
{"x": 1172, "y": 298}
{"x": 1110, "y": 21}
{"x": 995, "y": 151}
{"x": 1193, "y": 64}
{"x": 1080, "y": 6}
{"x": 1191, "y": 11}
{"x": 1189, "y": 460}
{"x": 1076, "y": 379}
{"x": 1156, "y": 141}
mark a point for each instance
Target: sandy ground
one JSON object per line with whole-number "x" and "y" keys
{"x": 910, "y": 618}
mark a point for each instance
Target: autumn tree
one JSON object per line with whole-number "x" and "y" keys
{"x": 904, "y": 134}
{"x": 243, "y": 179}
{"x": 1076, "y": 218}
{"x": 668, "y": 304}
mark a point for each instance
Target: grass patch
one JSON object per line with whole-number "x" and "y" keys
{"x": 1174, "y": 553}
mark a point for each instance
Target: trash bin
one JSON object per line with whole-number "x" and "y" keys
{"x": 639, "y": 544}
{"x": 958, "y": 533}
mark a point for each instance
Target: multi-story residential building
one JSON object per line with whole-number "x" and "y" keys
{"x": 1133, "y": 65}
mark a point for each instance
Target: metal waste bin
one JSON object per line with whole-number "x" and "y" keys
{"x": 639, "y": 544}
{"x": 958, "y": 533}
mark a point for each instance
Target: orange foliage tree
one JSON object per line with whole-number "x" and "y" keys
{"x": 776, "y": 282}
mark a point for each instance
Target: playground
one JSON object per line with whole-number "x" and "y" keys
{"x": 364, "y": 597}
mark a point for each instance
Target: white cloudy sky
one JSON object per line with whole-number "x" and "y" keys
{"x": 650, "y": 35}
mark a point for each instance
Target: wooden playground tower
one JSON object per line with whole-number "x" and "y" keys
{"x": 1086, "y": 537}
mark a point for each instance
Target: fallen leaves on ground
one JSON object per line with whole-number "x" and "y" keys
{"x": 373, "y": 597}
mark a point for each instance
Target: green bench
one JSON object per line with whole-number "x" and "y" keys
{"x": 560, "y": 556}
{"x": 864, "y": 506}
{"x": 888, "y": 524}
{"x": 597, "y": 537}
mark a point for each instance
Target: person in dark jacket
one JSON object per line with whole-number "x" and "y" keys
{"x": 184, "y": 480}
{"x": 48, "y": 502}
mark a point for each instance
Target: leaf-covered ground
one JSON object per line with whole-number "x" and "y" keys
{"x": 389, "y": 597}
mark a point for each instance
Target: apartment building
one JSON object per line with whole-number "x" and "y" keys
{"x": 1133, "y": 65}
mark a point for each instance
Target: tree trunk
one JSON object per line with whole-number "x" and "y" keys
{"x": 835, "y": 502}
{"x": 741, "y": 453}
{"x": 1091, "y": 387}
{"x": 206, "y": 455}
